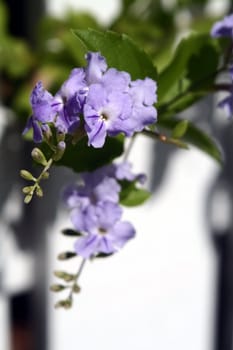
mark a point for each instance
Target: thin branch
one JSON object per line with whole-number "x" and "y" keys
{"x": 163, "y": 138}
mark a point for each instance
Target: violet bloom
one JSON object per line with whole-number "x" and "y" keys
{"x": 105, "y": 233}
{"x": 143, "y": 93}
{"x": 100, "y": 185}
{"x": 104, "y": 113}
{"x": 96, "y": 66}
{"x": 42, "y": 111}
{"x": 223, "y": 28}
{"x": 91, "y": 192}
{"x": 123, "y": 171}
{"x": 114, "y": 104}
{"x": 69, "y": 101}
{"x": 227, "y": 103}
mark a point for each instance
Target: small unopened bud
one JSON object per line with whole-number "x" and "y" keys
{"x": 39, "y": 192}
{"x": 61, "y": 146}
{"x": 38, "y": 156}
{"x": 66, "y": 255}
{"x": 64, "y": 275}
{"x": 27, "y": 175}
{"x": 28, "y": 199}
{"x": 70, "y": 232}
{"x": 76, "y": 288}
{"x": 66, "y": 304}
{"x": 45, "y": 175}
{"x": 28, "y": 189}
{"x": 57, "y": 287}
{"x": 61, "y": 136}
{"x": 47, "y": 133}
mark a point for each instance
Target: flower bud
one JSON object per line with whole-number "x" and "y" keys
{"x": 61, "y": 146}
{"x": 38, "y": 156}
{"x": 70, "y": 232}
{"x": 39, "y": 192}
{"x": 47, "y": 133}
{"x": 28, "y": 198}
{"x": 27, "y": 175}
{"x": 61, "y": 136}
{"x": 76, "y": 288}
{"x": 28, "y": 189}
{"x": 57, "y": 287}
{"x": 66, "y": 255}
{"x": 64, "y": 275}
{"x": 66, "y": 304}
{"x": 45, "y": 175}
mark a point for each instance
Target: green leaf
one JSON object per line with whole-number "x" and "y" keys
{"x": 81, "y": 157}
{"x": 180, "y": 104}
{"x": 180, "y": 129}
{"x": 3, "y": 19}
{"x": 131, "y": 196}
{"x": 192, "y": 67}
{"x": 120, "y": 52}
{"x": 196, "y": 137}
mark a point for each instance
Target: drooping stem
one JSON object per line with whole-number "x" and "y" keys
{"x": 129, "y": 147}
{"x": 75, "y": 280}
{"x": 163, "y": 138}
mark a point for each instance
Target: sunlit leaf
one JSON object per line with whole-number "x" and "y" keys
{"x": 196, "y": 137}
{"x": 120, "y": 51}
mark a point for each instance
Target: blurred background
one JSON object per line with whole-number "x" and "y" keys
{"x": 170, "y": 288}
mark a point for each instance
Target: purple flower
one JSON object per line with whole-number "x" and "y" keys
{"x": 107, "y": 100}
{"x": 92, "y": 192}
{"x": 223, "y": 28}
{"x": 104, "y": 113}
{"x": 100, "y": 185}
{"x": 42, "y": 111}
{"x": 105, "y": 233}
{"x": 95, "y": 211}
{"x": 114, "y": 104}
{"x": 96, "y": 66}
{"x": 69, "y": 100}
{"x": 227, "y": 103}
{"x": 123, "y": 172}
{"x": 143, "y": 94}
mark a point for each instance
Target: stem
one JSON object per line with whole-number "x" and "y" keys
{"x": 129, "y": 148}
{"x": 195, "y": 85}
{"x": 80, "y": 269}
{"x": 76, "y": 278}
{"x": 163, "y": 138}
{"x": 46, "y": 168}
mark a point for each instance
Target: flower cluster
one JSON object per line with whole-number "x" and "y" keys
{"x": 95, "y": 210}
{"x": 95, "y": 100}
{"x": 224, "y": 28}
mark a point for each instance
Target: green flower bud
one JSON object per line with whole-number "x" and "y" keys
{"x": 64, "y": 275}
{"x": 38, "y": 156}
{"x": 28, "y": 189}
{"x": 60, "y": 136}
{"x": 61, "y": 146}
{"x": 66, "y": 304}
{"x": 45, "y": 175}
{"x": 70, "y": 232}
{"x": 76, "y": 288}
{"x": 39, "y": 192}
{"x": 57, "y": 287}
{"x": 28, "y": 198}
{"x": 66, "y": 255}
{"x": 27, "y": 175}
